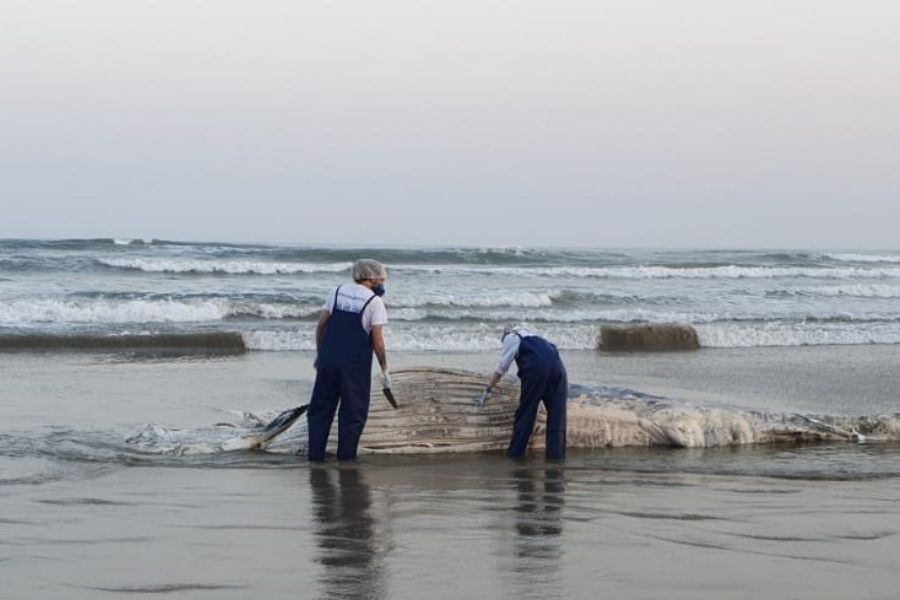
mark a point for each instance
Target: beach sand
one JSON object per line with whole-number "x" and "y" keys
{"x": 82, "y": 520}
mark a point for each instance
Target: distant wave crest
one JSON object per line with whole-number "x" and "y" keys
{"x": 663, "y": 272}
{"x": 104, "y": 311}
{"x": 228, "y": 267}
{"x": 864, "y": 258}
{"x": 851, "y": 290}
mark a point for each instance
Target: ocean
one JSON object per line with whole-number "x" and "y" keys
{"x": 450, "y": 299}
{"x": 84, "y": 513}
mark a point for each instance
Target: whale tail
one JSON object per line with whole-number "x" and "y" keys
{"x": 276, "y": 426}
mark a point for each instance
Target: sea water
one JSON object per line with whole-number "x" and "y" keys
{"x": 450, "y": 299}
{"x": 85, "y": 514}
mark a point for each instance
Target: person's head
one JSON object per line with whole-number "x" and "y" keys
{"x": 510, "y": 328}
{"x": 370, "y": 273}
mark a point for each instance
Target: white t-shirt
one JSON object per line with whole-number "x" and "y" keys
{"x": 352, "y": 298}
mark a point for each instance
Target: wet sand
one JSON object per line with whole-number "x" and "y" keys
{"x": 84, "y": 522}
{"x": 471, "y": 527}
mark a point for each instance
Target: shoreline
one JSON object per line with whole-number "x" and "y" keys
{"x": 799, "y": 521}
{"x": 839, "y": 380}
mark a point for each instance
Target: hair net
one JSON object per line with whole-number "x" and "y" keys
{"x": 366, "y": 268}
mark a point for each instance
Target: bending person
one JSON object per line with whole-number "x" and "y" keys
{"x": 543, "y": 379}
{"x": 349, "y": 330}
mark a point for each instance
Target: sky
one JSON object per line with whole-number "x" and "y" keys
{"x": 720, "y": 123}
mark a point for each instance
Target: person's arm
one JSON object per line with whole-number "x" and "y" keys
{"x": 376, "y": 317}
{"x": 507, "y": 356}
{"x": 324, "y": 316}
{"x": 379, "y": 347}
{"x": 494, "y": 380}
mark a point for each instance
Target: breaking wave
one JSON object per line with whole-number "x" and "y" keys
{"x": 225, "y": 267}
{"x": 111, "y": 311}
{"x": 860, "y": 290}
{"x": 247, "y": 267}
{"x": 662, "y": 272}
{"x": 864, "y": 258}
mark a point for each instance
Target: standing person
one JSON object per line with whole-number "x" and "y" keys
{"x": 543, "y": 378}
{"x": 349, "y": 330}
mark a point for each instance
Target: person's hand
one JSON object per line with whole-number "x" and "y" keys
{"x": 385, "y": 379}
{"x": 485, "y": 396}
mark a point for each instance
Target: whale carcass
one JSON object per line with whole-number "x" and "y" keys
{"x": 436, "y": 414}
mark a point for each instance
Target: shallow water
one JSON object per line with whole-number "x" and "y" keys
{"x": 475, "y": 526}
{"x": 84, "y": 516}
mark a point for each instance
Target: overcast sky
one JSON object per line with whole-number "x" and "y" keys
{"x": 692, "y": 123}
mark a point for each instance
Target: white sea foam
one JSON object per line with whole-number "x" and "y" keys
{"x": 273, "y": 311}
{"x": 864, "y": 258}
{"x": 546, "y": 315}
{"x": 661, "y": 272}
{"x": 225, "y": 266}
{"x": 443, "y": 337}
{"x": 456, "y": 338}
{"x": 21, "y": 312}
{"x": 281, "y": 340}
{"x": 742, "y": 335}
{"x": 130, "y": 241}
{"x": 509, "y": 250}
{"x": 489, "y": 298}
{"x": 859, "y": 290}
{"x": 231, "y": 267}
{"x": 18, "y": 312}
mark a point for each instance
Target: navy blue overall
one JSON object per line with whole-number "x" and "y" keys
{"x": 343, "y": 372}
{"x": 543, "y": 378}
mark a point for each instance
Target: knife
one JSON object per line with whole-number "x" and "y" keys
{"x": 390, "y": 396}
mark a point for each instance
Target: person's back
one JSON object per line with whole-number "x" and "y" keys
{"x": 349, "y": 330}
{"x": 537, "y": 354}
{"x": 544, "y": 379}
{"x": 346, "y": 339}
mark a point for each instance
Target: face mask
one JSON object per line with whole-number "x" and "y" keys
{"x": 379, "y": 289}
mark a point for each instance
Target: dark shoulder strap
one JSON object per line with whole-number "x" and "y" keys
{"x": 336, "y": 292}
{"x": 361, "y": 312}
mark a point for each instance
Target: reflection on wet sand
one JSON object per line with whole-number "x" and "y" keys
{"x": 538, "y": 527}
{"x": 347, "y": 535}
